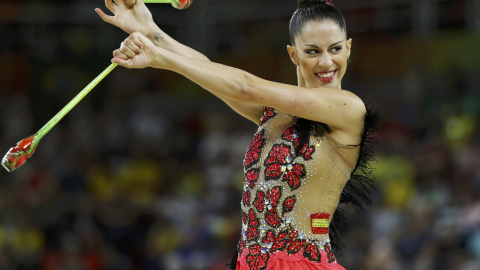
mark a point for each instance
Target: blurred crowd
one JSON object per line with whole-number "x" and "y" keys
{"x": 146, "y": 172}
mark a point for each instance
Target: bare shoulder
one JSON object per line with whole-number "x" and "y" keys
{"x": 349, "y": 110}
{"x": 339, "y": 109}
{"x": 349, "y": 125}
{"x": 356, "y": 108}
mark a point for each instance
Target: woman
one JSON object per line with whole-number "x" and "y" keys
{"x": 310, "y": 142}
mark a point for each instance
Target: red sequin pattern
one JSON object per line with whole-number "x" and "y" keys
{"x": 269, "y": 194}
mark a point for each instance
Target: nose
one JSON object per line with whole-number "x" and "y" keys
{"x": 325, "y": 60}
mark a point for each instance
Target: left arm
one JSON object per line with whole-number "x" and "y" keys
{"x": 339, "y": 109}
{"x": 133, "y": 16}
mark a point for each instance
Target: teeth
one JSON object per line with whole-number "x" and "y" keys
{"x": 326, "y": 75}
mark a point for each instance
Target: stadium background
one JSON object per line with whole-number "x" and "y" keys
{"x": 145, "y": 173}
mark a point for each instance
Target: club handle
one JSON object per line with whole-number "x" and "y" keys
{"x": 46, "y": 128}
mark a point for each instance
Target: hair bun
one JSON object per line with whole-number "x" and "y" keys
{"x": 303, "y": 3}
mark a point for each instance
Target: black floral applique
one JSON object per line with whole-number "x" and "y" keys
{"x": 290, "y": 135}
{"x": 252, "y": 225}
{"x": 246, "y": 198}
{"x": 276, "y": 242}
{"x": 311, "y": 252}
{"x": 296, "y": 245}
{"x": 251, "y": 177}
{"x": 288, "y": 204}
{"x": 330, "y": 255}
{"x": 279, "y": 165}
{"x": 269, "y": 113}
{"x": 268, "y": 201}
{"x": 254, "y": 150}
{"x": 256, "y": 259}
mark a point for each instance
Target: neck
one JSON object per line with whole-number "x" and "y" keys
{"x": 300, "y": 79}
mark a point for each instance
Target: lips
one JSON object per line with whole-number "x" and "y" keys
{"x": 326, "y": 76}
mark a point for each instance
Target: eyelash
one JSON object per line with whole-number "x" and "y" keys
{"x": 337, "y": 49}
{"x": 334, "y": 49}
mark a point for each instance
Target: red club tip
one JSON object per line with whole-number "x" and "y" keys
{"x": 18, "y": 155}
{"x": 26, "y": 146}
{"x": 182, "y": 4}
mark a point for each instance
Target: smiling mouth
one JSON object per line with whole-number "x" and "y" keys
{"x": 326, "y": 76}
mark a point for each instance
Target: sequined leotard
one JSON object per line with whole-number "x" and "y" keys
{"x": 290, "y": 195}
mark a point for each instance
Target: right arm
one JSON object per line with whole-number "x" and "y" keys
{"x": 133, "y": 16}
{"x": 341, "y": 110}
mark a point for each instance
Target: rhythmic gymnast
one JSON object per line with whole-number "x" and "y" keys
{"x": 311, "y": 148}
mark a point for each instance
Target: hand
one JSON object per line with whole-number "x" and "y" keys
{"x": 136, "y": 51}
{"x": 129, "y": 15}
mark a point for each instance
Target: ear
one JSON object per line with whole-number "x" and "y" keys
{"x": 293, "y": 54}
{"x": 349, "y": 47}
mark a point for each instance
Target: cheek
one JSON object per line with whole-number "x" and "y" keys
{"x": 307, "y": 65}
{"x": 342, "y": 62}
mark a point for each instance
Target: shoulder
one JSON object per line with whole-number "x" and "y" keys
{"x": 348, "y": 126}
{"x": 352, "y": 111}
{"x": 356, "y": 104}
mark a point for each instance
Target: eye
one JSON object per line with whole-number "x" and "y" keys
{"x": 312, "y": 51}
{"x": 336, "y": 49}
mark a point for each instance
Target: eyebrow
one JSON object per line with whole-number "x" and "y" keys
{"x": 315, "y": 46}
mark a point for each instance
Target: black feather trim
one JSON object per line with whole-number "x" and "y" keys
{"x": 357, "y": 193}
{"x": 233, "y": 263}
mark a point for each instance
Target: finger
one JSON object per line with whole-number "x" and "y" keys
{"x": 110, "y": 5}
{"x": 119, "y": 3}
{"x": 142, "y": 39}
{"x": 127, "y": 51}
{"x": 105, "y": 17}
{"x": 125, "y": 3}
{"x": 134, "y": 44}
{"x": 119, "y": 54}
{"x": 121, "y": 62}
{"x": 145, "y": 42}
{"x": 130, "y": 3}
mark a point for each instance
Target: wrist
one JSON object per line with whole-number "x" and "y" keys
{"x": 156, "y": 35}
{"x": 158, "y": 59}
{"x": 163, "y": 59}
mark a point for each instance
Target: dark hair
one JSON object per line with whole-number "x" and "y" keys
{"x": 314, "y": 10}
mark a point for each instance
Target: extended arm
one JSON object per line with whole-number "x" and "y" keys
{"x": 133, "y": 16}
{"x": 341, "y": 110}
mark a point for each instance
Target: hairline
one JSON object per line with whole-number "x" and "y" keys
{"x": 319, "y": 20}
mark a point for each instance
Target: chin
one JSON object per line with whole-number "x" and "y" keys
{"x": 332, "y": 84}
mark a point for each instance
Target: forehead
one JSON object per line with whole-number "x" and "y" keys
{"x": 324, "y": 32}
